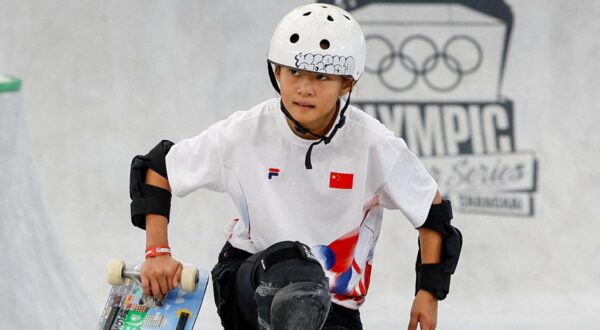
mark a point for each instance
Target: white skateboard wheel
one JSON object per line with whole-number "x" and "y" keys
{"x": 189, "y": 279}
{"x": 114, "y": 275}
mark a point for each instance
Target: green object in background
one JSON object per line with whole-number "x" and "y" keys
{"x": 9, "y": 84}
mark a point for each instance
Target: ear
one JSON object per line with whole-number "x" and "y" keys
{"x": 277, "y": 71}
{"x": 347, "y": 85}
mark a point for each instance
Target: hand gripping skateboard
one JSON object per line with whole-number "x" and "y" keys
{"x": 127, "y": 308}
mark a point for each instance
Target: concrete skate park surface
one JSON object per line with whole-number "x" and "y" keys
{"x": 103, "y": 81}
{"x": 40, "y": 289}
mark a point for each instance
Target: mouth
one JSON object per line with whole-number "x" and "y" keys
{"x": 304, "y": 105}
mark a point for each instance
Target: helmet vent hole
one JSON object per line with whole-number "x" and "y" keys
{"x": 324, "y": 44}
{"x": 294, "y": 38}
{"x": 348, "y": 18}
{"x": 329, "y": 18}
{"x": 306, "y": 14}
{"x": 324, "y": 6}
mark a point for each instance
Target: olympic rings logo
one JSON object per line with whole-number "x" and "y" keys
{"x": 442, "y": 70}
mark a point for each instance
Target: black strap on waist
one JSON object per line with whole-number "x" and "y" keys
{"x": 285, "y": 251}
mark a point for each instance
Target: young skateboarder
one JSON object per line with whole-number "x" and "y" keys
{"x": 310, "y": 175}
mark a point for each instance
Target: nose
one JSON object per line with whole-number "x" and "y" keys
{"x": 305, "y": 86}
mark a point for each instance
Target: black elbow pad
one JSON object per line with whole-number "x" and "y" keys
{"x": 148, "y": 199}
{"x": 435, "y": 278}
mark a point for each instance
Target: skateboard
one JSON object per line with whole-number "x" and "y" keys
{"x": 127, "y": 308}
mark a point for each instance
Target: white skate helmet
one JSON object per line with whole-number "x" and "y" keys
{"x": 319, "y": 38}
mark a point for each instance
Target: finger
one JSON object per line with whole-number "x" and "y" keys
{"x": 177, "y": 276}
{"x": 164, "y": 284}
{"x": 155, "y": 287}
{"x": 414, "y": 319}
{"x": 169, "y": 279}
{"x": 426, "y": 324}
{"x": 432, "y": 325}
{"x": 145, "y": 284}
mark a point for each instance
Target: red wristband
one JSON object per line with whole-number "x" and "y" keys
{"x": 156, "y": 251}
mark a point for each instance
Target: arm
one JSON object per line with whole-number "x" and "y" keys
{"x": 150, "y": 207}
{"x": 424, "y": 308}
{"x": 158, "y": 274}
{"x": 156, "y": 225}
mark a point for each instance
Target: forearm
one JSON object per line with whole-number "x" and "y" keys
{"x": 431, "y": 241}
{"x": 156, "y": 225}
{"x": 156, "y": 231}
{"x": 431, "y": 246}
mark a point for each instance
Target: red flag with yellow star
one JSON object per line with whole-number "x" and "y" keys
{"x": 340, "y": 180}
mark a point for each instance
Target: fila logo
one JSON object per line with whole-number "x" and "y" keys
{"x": 273, "y": 172}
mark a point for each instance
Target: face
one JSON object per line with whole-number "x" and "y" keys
{"x": 311, "y": 97}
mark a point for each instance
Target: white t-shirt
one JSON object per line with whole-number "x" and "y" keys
{"x": 335, "y": 208}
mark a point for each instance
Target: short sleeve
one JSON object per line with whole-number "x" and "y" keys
{"x": 408, "y": 187}
{"x": 196, "y": 163}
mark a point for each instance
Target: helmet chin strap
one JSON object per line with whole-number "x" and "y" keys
{"x": 302, "y": 129}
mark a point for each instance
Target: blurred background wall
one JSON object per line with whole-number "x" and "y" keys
{"x": 103, "y": 81}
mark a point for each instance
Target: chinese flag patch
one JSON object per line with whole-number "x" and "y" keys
{"x": 341, "y": 180}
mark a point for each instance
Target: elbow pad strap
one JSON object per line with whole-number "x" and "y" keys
{"x": 155, "y": 200}
{"x": 433, "y": 278}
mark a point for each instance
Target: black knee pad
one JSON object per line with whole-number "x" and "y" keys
{"x": 299, "y": 305}
{"x": 288, "y": 266}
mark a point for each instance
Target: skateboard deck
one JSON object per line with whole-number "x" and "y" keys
{"x": 128, "y": 309}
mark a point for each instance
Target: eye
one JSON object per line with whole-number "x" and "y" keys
{"x": 322, "y": 77}
{"x": 294, "y": 72}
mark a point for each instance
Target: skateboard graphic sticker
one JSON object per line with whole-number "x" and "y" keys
{"x": 128, "y": 309}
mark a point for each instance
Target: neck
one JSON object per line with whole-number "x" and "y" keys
{"x": 322, "y": 130}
